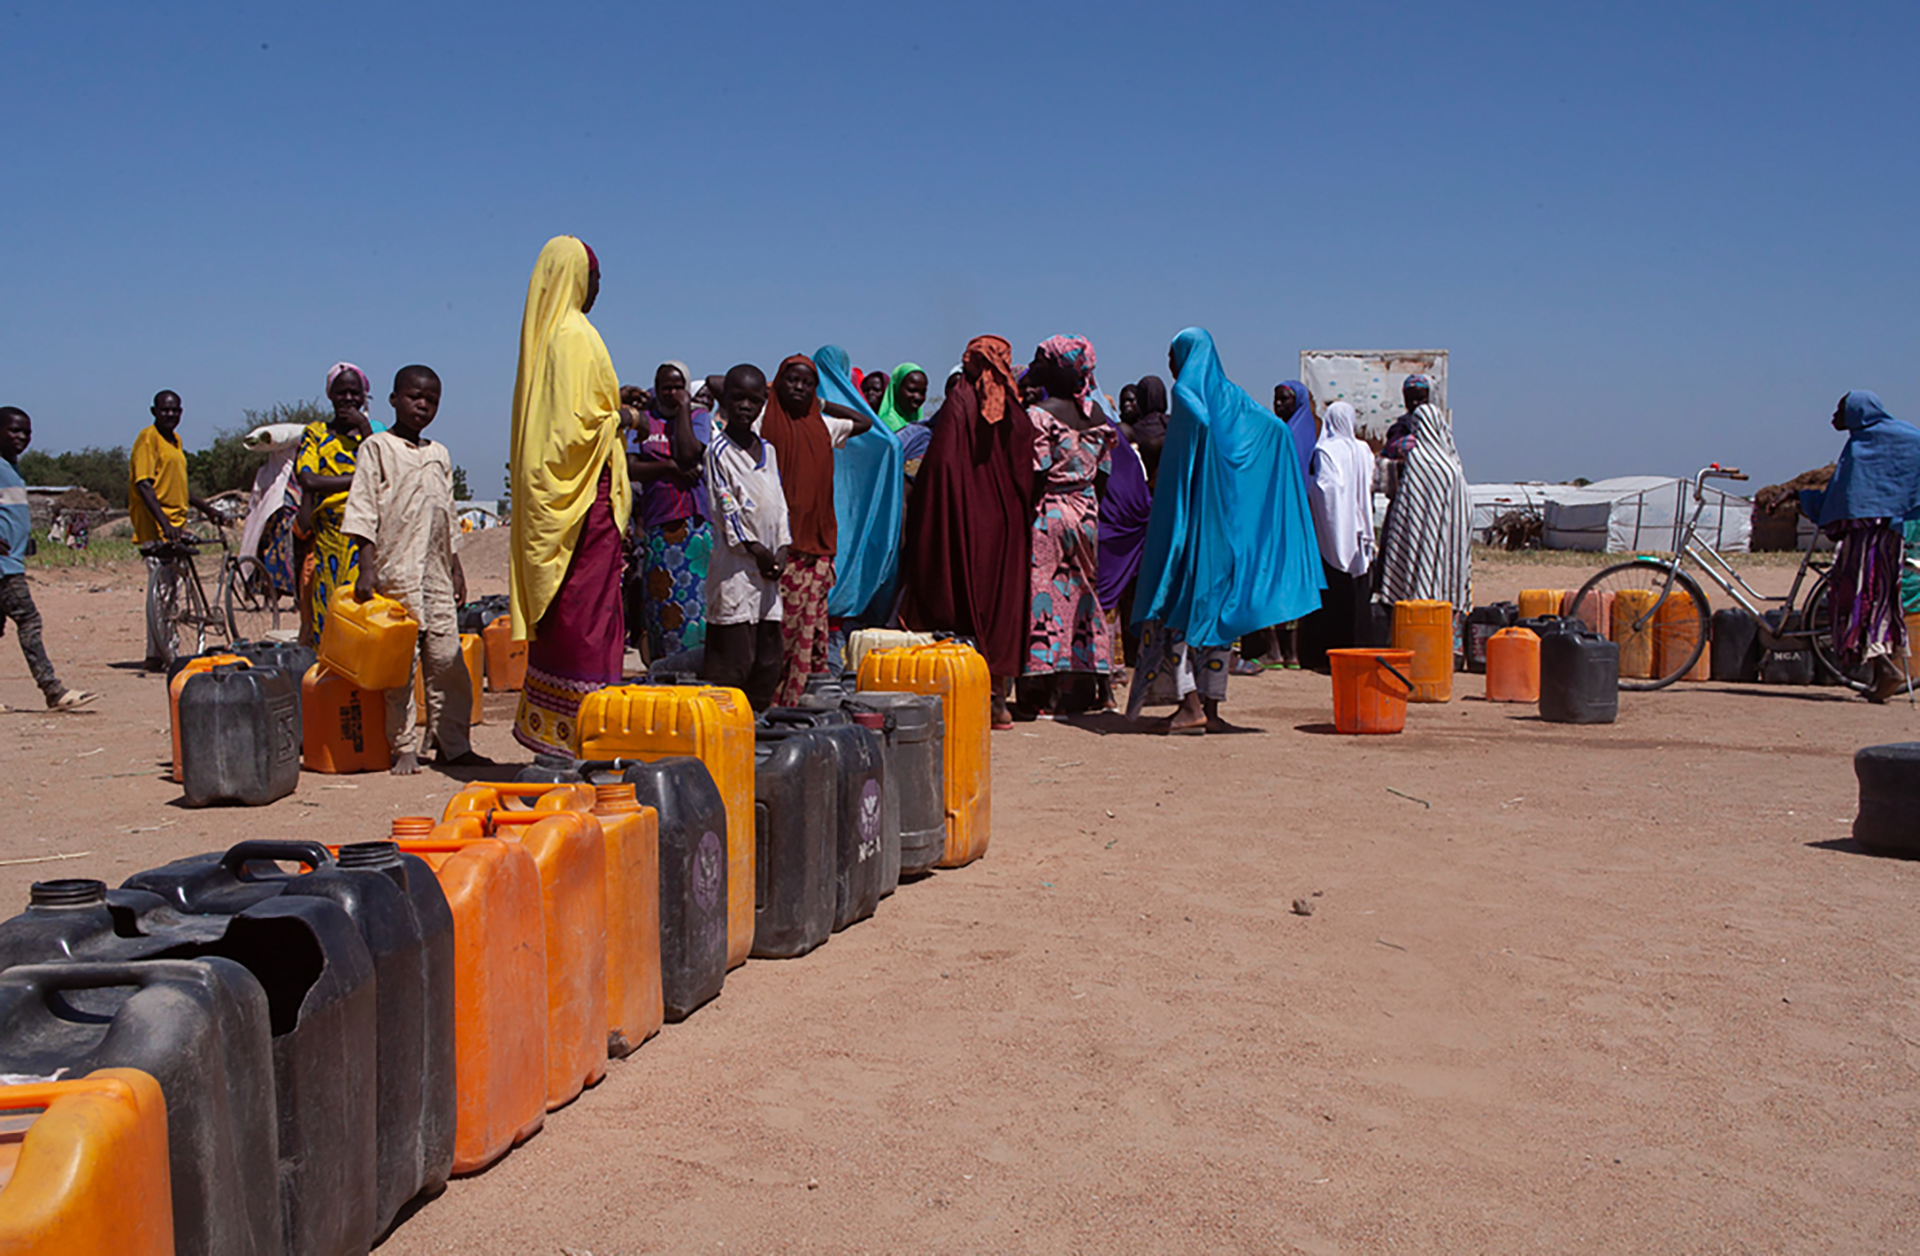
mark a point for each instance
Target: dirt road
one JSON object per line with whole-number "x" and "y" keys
{"x": 1624, "y": 988}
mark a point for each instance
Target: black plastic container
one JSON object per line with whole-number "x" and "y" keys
{"x": 200, "y": 1027}
{"x": 288, "y": 656}
{"x": 1579, "y": 678}
{"x": 693, "y": 865}
{"x": 475, "y": 616}
{"x": 1482, "y": 622}
{"x": 1735, "y": 649}
{"x": 77, "y": 919}
{"x": 916, "y": 797}
{"x": 396, "y": 905}
{"x": 239, "y": 735}
{"x": 796, "y": 797}
{"x": 1889, "y": 817}
{"x": 1785, "y": 667}
{"x": 860, "y": 857}
{"x": 1376, "y": 626}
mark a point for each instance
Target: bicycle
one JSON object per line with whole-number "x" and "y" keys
{"x": 245, "y": 607}
{"x": 1674, "y": 630}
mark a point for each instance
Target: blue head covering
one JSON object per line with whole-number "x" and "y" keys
{"x": 1878, "y": 476}
{"x": 868, "y": 499}
{"x": 1305, "y": 434}
{"x": 1230, "y": 541}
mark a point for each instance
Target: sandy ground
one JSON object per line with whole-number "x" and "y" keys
{"x": 1625, "y": 988}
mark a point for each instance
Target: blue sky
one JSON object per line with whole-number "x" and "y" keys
{"x": 1651, "y": 235}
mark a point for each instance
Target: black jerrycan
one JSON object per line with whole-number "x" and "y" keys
{"x": 915, "y": 728}
{"x": 796, "y": 804}
{"x": 396, "y": 905}
{"x": 1888, "y": 821}
{"x": 1735, "y": 646}
{"x": 1482, "y": 623}
{"x": 239, "y": 735}
{"x": 859, "y": 860}
{"x": 288, "y": 656}
{"x": 1785, "y": 667}
{"x": 200, "y": 1027}
{"x": 1579, "y": 677}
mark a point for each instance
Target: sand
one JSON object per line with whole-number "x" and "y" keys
{"x": 1623, "y": 988}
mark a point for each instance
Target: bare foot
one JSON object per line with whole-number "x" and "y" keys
{"x": 406, "y": 765}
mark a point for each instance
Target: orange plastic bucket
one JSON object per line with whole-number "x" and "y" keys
{"x": 1370, "y": 689}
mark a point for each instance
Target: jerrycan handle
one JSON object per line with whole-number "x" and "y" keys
{"x": 238, "y": 856}
{"x": 44, "y": 1094}
{"x": 48, "y": 978}
{"x": 1382, "y": 661}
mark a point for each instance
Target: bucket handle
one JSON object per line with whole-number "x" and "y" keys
{"x": 1381, "y": 659}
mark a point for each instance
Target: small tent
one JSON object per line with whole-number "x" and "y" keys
{"x": 1643, "y": 512}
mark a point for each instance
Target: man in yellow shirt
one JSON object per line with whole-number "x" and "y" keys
{"x": 157, "y": 498}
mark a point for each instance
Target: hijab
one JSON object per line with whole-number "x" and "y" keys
{"x": 1301, "y": 424}
{"x": 1075, "y": 355}
{"x": 891, "y": 414}
{"x": 991, "y": 358}
{"x": 805, "y": 454}
{"x": 566, "y": 428}
{"x": 1230, "y": 542}
{"x": 1150, "y": 429}
{"x": 1124, "y": 508}
{"x": 868, "y": 500}
{"x": 1340, "y": 491}
{"x": 1426, "y": 545}
{"x": 1878, "y": 475}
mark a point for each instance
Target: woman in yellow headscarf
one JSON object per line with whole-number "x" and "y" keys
{"x": 570, "y": 499}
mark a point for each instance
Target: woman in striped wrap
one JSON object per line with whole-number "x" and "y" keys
{"x": 1425, "y": 546}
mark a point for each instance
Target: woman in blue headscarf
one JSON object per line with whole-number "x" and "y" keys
{"x": 868, "y": 498}
{"x": 1230, "y": 541}
{"x": 1875, "y": 488}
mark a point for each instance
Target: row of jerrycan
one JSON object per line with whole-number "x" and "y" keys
{"x": 300, "y": 1026}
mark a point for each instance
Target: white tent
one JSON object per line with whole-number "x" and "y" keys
{"x": 1643, "y": 512}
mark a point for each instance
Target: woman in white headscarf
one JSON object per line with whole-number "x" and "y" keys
{"x": 1340, "y": 493}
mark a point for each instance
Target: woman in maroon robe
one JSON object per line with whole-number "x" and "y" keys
{"x": 970, "y": 520}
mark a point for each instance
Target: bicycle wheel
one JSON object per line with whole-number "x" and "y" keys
{"x": 251, "y": 605}
{"x": 1820, "y": 629}
{"x": 1668, "y": 633}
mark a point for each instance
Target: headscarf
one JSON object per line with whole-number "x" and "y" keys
{"x": 1426, "y": 545}
{"x": 1300, "y": 423}
{"x": 566, "y": 428}
{"x": 341, "y": 368}
{"x": 992, "y": 357}
{"x": 1878, "y": 475}
{"x": 1150, "y": 429}
{"x": 890, "y": 412}
{"x": 1075, "y": 353}
{"x": 1340, "y": 491}
{"x": 1230, "y": 543}
{"x": 806, "y": 467}
{"x": 1124, "y": 507}
{"x": 868, "y": 499}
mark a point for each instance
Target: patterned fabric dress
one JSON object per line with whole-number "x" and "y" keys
{"x": 1067, "y": 631}
{"x": 336, "y": 560}
{"x": 1863, "y": 596}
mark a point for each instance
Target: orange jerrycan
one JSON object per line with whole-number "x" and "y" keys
{"x": 83, "y": 1165}
{"x": 1538, "y": 603}
{"x": 499, "y": 987}
{"x": 371, "y": 643}
{"x": 958, "y": 675}
{"x": 570, "y": 854}
{"x": 713, "y": 725}
{"x": 1513, "y": 669}
{"x": 1426, "y": 628}
{"x": 1370, "y": 689}
{"x": 473, "y": 653}
{"x": 506, "y": 658}
{"x": 1596, "y": 612}
{"x": 635, "y": 1010}
{"x": 192, "y": 667}
{"x": 343, "y": 728}
{"x": 1676, "y": 626}
{"x": 1635, "y": 639}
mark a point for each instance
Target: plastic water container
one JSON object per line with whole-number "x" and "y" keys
{"x": 288, "y": 656}
{"x": 84, "y": 1167}
{"x": 473, "y": 654}
{"x": 1482, "y": 623}
{"x": 183, "y": 671}
{"x": 914, "y": 804}
{"x": 1513, "y": 666}
{"x": 499, "y": 987}
{"x": 958, "y": 675}
{"x": 713, "y": 725}
{"x": 506, "y": 663}
{"x": 1579, "y": 678}
{"x": 796, "y": 817}
{"x": 1370, "y": 688}
{"x": 199, "y": 1028}
{"x": 570, "y": 854}
{"x": 1634, "y": 637}
{"x": 1888, "y": 820}
{"x": 239, "y": 735}
{"x": 1595, "y": 611}
{"x": 859, "y": 856}
{"x": 402, "y": 918}
{"x": 863, "y": 641}
{"x": 1676, "y": 626}
{"x": 343, "y": 728}
{"x": 1426, "y": 629}
{"x": 371, "y": 643}
{"x": 477, "y": 614}
{"x": 1537, "y": 602}
{"x": 1735, "y": 648}
{"x": 1785, "y": 667}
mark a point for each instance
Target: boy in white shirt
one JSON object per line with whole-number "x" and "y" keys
{"x": 750, "y": 535}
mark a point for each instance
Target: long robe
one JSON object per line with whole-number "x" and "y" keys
{"x": 1426, "y": 543}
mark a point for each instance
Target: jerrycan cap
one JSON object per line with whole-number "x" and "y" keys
{"x": 412, "y": 826}
{"x": 614, "y": 798}
{"x": 67, "y": 892}
{"x": 370, "y": 854}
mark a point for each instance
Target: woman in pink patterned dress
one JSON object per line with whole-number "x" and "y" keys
{"x": 1072, "y": 452}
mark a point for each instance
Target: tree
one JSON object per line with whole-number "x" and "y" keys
{"x": 506, "y": 490}
{"x": 229, "y": 464}
{"x": 461, "y": 493}
{"x": 103, "y": 471}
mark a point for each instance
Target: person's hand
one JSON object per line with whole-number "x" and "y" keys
{"x": 675, "y": 401}
{"x": 768, "y": 561}
{"x": 5, "y": 548}
{"x": 363, "y": 587}
{"x": 459, "y": 587}
{"x": 171, "y": 532}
